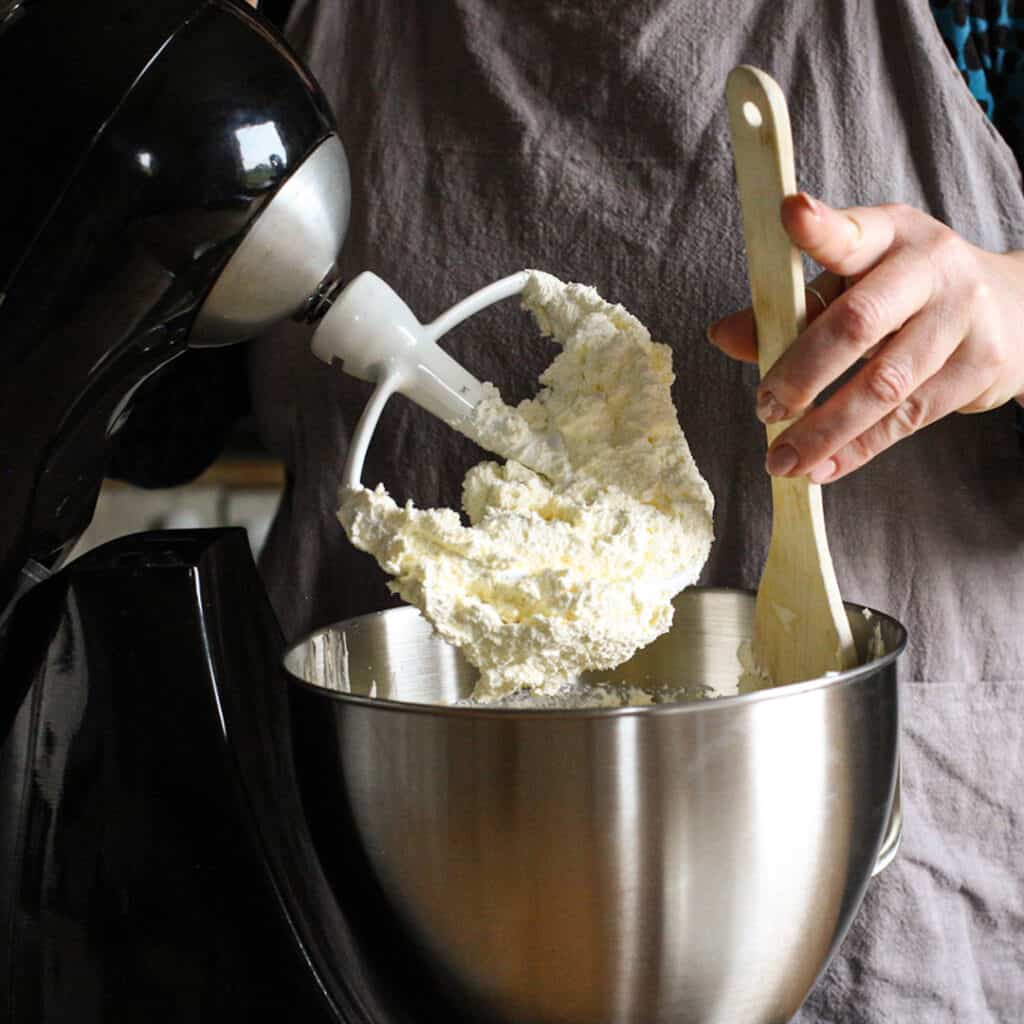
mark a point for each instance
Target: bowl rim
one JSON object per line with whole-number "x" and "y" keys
{"x": 839, "y": 679}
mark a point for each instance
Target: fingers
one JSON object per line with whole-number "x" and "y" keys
{"x": 907, "y": 385}
{"x": 944, "y": 393}
{"x": 848, "y": 242}
{"x": 736, "y": 334}
{"x": 876, "y": 307}
{"x": 909, "y": 309}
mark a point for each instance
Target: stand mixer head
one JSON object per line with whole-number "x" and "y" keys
{"x": 180, "y": 186}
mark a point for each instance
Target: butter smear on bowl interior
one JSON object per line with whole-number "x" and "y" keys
{"x": 574, "y": 567}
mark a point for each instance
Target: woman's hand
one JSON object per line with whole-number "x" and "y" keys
{"x": 939, "y": 323}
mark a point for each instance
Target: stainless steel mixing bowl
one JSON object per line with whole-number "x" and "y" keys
{"x": 691, "y": 862}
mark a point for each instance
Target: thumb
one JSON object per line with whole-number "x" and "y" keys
{"x": 848, "y": 242}
{"x": 736, "y": 334}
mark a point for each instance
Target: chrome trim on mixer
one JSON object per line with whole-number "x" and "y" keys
{"x": 288, "y": 255}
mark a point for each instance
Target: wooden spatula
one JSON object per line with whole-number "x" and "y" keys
{"x": 800, "y": 627}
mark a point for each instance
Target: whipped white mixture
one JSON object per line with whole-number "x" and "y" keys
{"x": 570, "y": 564}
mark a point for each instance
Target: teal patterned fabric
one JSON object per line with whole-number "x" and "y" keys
{"x": 986, "y": 39}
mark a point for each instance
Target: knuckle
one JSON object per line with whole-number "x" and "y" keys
{"x": 860, "y": 317}
{"x": 888, "y": 380}
{"x": 989, "y": 397}
{"x": 899, "y": 211}
{"x": 989, "y": 358}
{"x": 792, "y": 400}
{"x": 979, "y": 294}
{"x": 910, "y": 415}
{"x": 947, "y": 251}
{"x": 789, "y": 389}
{"x": 859, "y": 451}
{"x": 1001, "y": 357}
{"x": 907, "y": 222}
{"x": 820, "y": 441}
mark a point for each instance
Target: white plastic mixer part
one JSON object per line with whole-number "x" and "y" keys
{"x": 378, "y": 339}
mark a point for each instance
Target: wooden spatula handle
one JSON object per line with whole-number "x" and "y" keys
{"x": 763, "y": 145}
{"x": 800, "y": 626}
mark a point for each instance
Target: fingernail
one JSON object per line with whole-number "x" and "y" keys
{"x": 768, "y": 409}
{"x": 781, "y": 460}
{"x": 712, "y": 331}
{"x": 810, "y": 204}
{"x": 822, "y": 472}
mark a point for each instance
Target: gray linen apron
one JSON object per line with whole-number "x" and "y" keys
{"x": 589, "y": 139}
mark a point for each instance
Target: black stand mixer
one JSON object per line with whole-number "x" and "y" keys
{"x": 173, "y": 180}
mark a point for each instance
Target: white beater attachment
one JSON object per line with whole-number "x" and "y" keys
{"x": 378, "y": 339}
